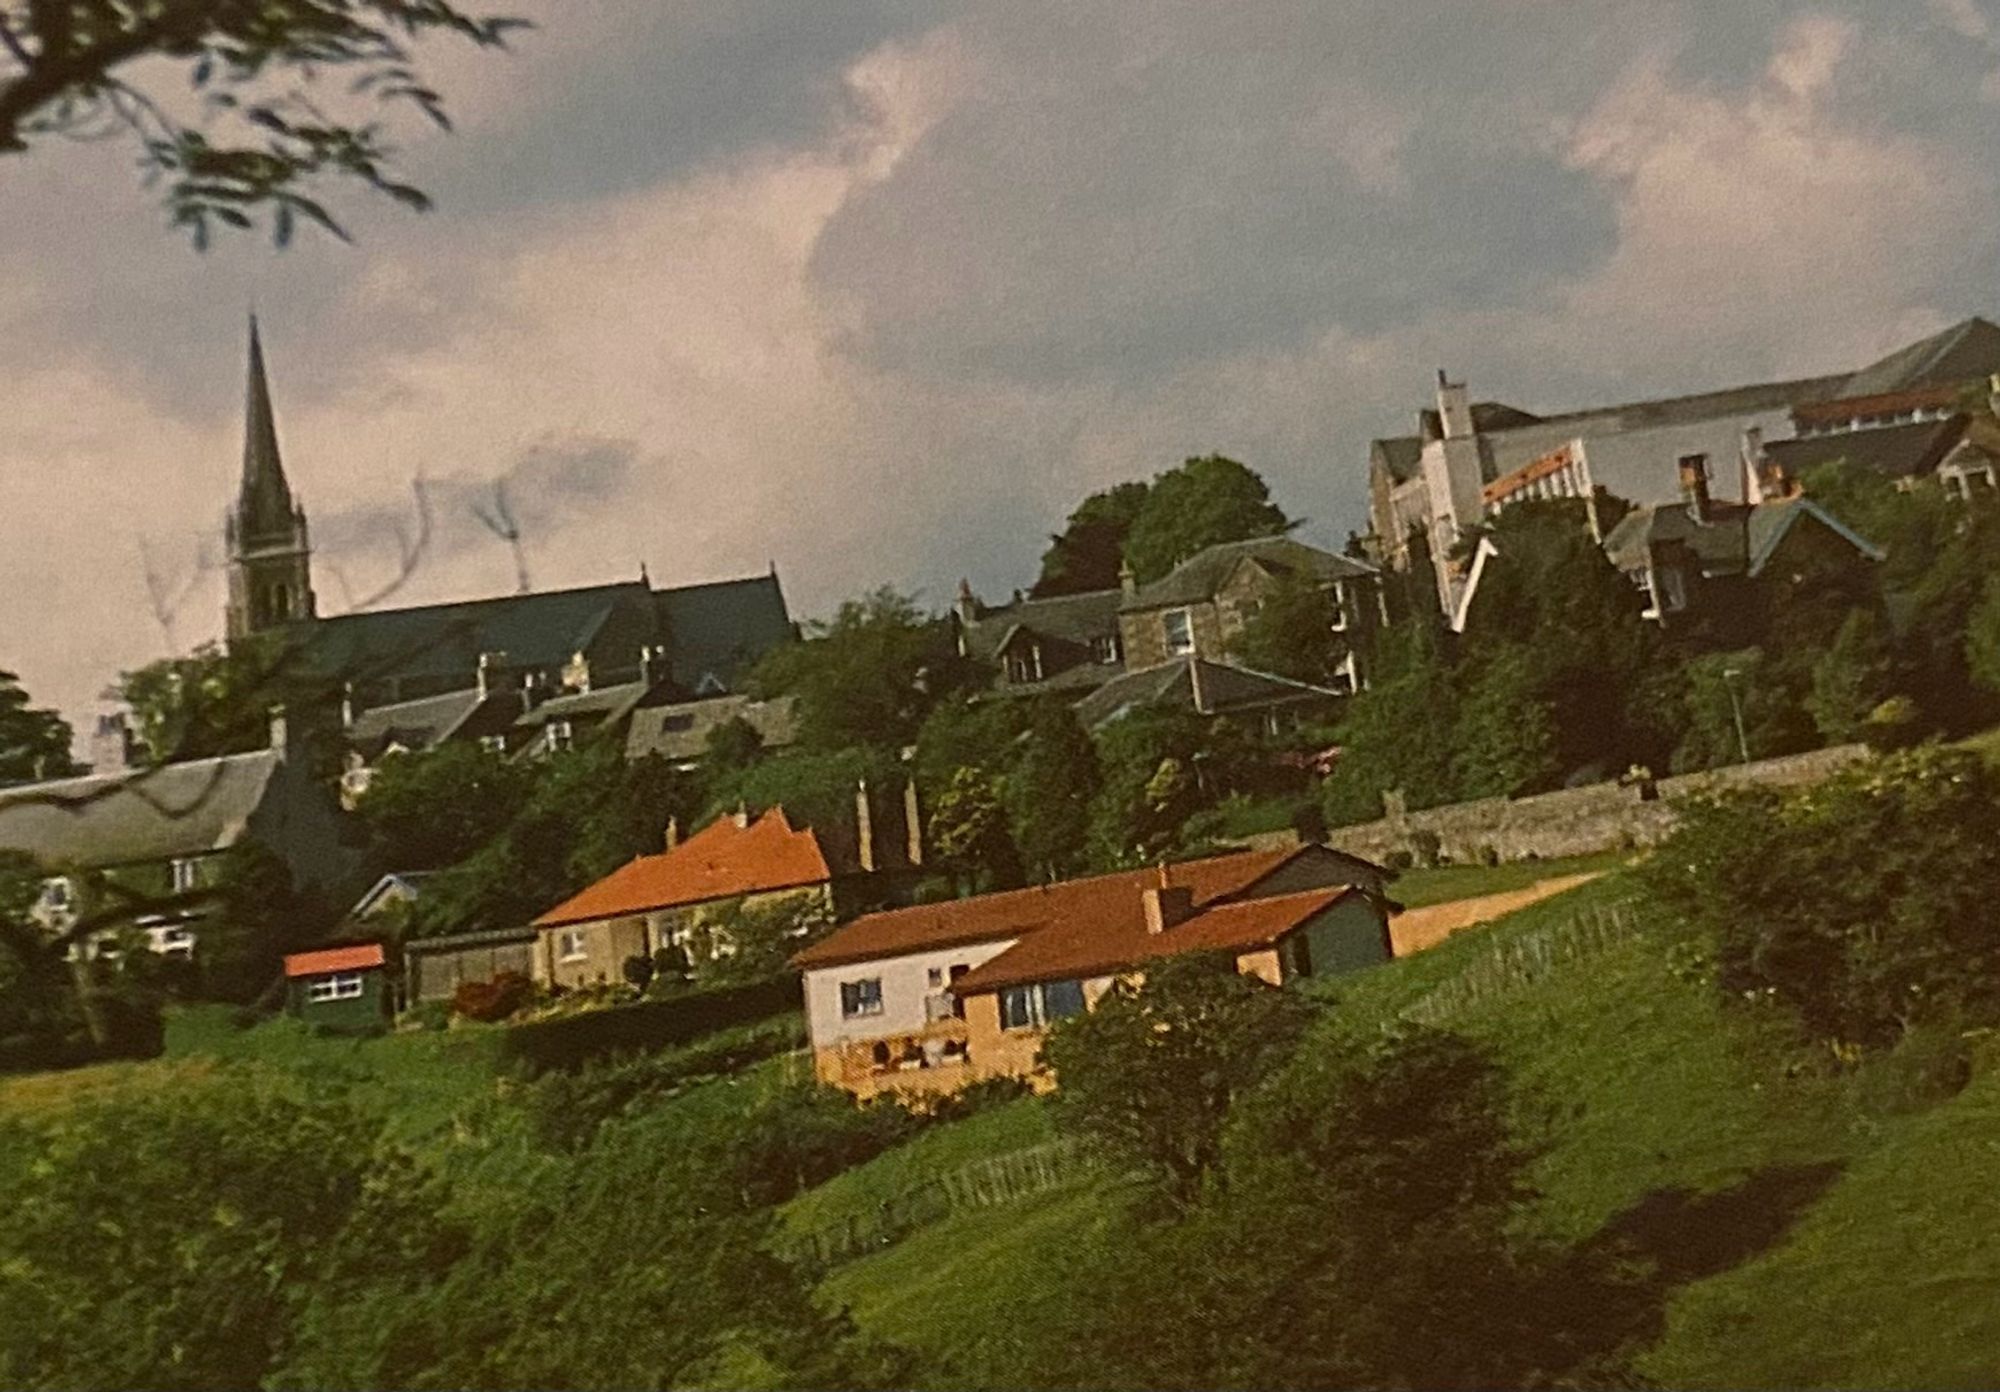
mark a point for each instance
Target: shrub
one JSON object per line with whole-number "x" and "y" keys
{"x": 638, "y": 969}
{"x": 487, "y": 1001}
{"x": 1893, "y": 725}
{"x": 1425, "y": 846}
{"x": 570, "y": 1041}
{"x": 1487, "y": 855}
{"x": 1398, "y": 860}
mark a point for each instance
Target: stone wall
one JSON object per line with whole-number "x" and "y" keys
{"x": 1575, "y": 821}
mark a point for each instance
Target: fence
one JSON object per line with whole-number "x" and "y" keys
{"x": 980, "y": 1184}
{"x": 1518, "y": 963}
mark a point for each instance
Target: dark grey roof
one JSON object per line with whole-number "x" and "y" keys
{"x": 1208, "y": 688}
{"x": 1487, "y": 416}
{"x": 1898, "y": 451}
{"x": 719, "y": 630}
{"x": 680, "y": 731}
{"x": 608, "y": 703}
{"x": 1079, "y": 618}
{"x": 414, "y": 725}
{"x": 1734, "y": 540}
{"x": 183, "y": 809}
{"x": 1967, "y": 351}
{"x": 1400, "y": 455}
{"x": 1202, "y": 574}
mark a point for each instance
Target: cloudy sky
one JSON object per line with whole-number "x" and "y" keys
{"x": 879, "y": 290}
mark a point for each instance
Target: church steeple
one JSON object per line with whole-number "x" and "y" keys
{"x": 270, "y": 571}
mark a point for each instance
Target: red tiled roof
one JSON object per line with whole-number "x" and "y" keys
{"x": 334, "y": 959}
{"x": 1108, "y": 899}
{"x": 720, "y": 861}
{"x": 1082, "y": 948}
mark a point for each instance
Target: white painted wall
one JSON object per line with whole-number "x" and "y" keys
{"x": 1642, "y": 465}
{"x": 905, "y": 984}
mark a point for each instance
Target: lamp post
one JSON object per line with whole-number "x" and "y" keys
{"x": 1729, "y": 676}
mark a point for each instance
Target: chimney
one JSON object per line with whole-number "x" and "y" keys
{"x": 1753, "y": 464}
{"x": 741, "y": 816}
{"x": 1694, "y": 485}
{"x": 673, "y": 832}
{"x": 1454, "y": 408}
{"x": 913, "y": 826}
{"x": 864, "y": 828}
{"x": 652, "y": 664}
{"x": 111, "y": 746}
{"x": 1167, "y": 905}
{"x": 967, "y": 604}
{"x": 491, "y": 667}
{"x": 281, "y": 731}
{"x": 1127, "y": 581}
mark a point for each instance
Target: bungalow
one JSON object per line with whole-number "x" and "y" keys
{"x": 671, "y": 899}
{"x": 930, "y": 998}
{"x": 339, "y": 988}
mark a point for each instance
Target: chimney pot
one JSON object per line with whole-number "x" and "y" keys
{"x": 673, "y": 832}
{"x": 864, "y": 828}
{"x": 1694, "y": 485}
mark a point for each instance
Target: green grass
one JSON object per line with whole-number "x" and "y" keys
{"x": 1805, "y": 1239}
{"x": 1415, "y": 888}
{"x": 863, "y": 1189}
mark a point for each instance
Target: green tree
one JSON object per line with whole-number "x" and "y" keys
{"x": 1293, "y": 633}
{"x": 1397, "y": 734}
{"x": 1851, "y": 677}
{"x": 968, "y": 831}
{"x": 219, "y": 702}
{"x": 1203, "y": 502}
{"x": 744, "y": 942}
{"x": 1153, "y": 780}
{"x": 1504, "y": 734}
{"x": 83, "y": 69}
{"x": 432, "y": 809}
{"x": 1982, "y": 637}
{"x": 1863, "y": 904}
{"x": 1737, "y": 705}
{"x": 1151, "y": 1073}
{"x": 868, "y": 677}
{"x": 732, "y": 746}
{"x": 1091, "y": 548}
{"x": 34, "y": 742}
{"x": 1049, "y": 791}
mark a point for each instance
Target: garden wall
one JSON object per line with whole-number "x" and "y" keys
{"x": 1575, "y": 821}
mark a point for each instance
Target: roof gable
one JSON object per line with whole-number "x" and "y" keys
{"x": 724, "y": 860}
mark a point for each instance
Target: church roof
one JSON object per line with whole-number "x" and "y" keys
{"x": 1966, "y": 352}
{"x": 264, "y": 498}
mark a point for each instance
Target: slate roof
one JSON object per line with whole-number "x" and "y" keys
{"x": 712, "y": 629}
{"x": 1208, "y": 688}
{"x": 1967, "y": 351}
{"x": 429, "y": 721}
{"x": 721, "y": 861}
{"x": 1202, "y": 574}
{"x": 680, "y": 731}
{"x": 1897, "y": 451}
{"x": 183, "y": 809}
{"x": 1077, "y": 618}
{"x": 607, "y": 704}
{"x": 1083, "y": 946}
{"x": 1737, "y": 540}
{"x": 1113, "y": 899}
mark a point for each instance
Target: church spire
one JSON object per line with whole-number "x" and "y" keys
{"x": 264, "y": 500}
{"x": 270, "y": 550}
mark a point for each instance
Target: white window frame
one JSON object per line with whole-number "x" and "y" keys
{"x": 1339, "y": 598}
{"x": 561, "y": 736}
{"x": 187, "y": 874}
{"x": 1184, "y": 647}
{"x": 58, "y": 894}
{"x": 573, "y": 945}
{"x": 339, "y": 986}
{"x": 1106, "y": 650}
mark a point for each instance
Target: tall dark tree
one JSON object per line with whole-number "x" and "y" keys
{"x": 1203, "y": 502}
{"x": 1090, "y": 550}
{"x": 1298, "y": 631}
{"x": 868, "y": 677}
{"x": 1054, "y": 778}
{"x": 264, "y": 137}
{"x": 34, "y": 742}
{"x": 433, "y": 809}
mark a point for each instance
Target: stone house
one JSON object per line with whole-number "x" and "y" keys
{"x": 138, "y": 848}
{"x": 1199, "y": 608}
{"x": 679, "y": 897}
{"x": 929, "y": 998}
{"x": 1068, "y": 643}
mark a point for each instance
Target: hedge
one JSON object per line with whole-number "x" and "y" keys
{"x": 570, "y": 1041}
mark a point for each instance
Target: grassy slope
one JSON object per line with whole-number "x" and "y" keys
{"x": 1805, "y": 1242}
{"x": 1416, "y": 888}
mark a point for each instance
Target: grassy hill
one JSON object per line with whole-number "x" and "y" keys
{"x": 1808, "y": 1229}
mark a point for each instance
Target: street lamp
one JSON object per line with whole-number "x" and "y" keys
{"x": 1729, "y": 676}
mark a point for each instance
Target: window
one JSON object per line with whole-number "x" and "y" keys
{"x": 493, "y": 744}
{"x": 56, "y": 894}
{"x": 186, "y": 875}
{"x": 1025, "y": 667}
{"x": 575, "y": 945}
{"x": 561, "y": 736}
{"x": 1027, "y": 1007}
{"x": 861, "y": 997}
{"x": 339, "y": 986}
{"x": 1105, "y": 649}
{"x": 1179, "y": 631}
{"x": 1337, "y": 596}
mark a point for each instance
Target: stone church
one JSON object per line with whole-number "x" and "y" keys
{"x": 676, "y": 644}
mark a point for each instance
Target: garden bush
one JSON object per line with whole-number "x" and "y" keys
{"x": 487, "y": 1001}
{"x": 571, "y": 1041}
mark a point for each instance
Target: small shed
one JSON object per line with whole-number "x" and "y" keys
{"x": 433, "y": 968}
{"x": 339, "y": 987}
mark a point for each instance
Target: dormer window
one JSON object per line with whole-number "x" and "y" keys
{"x": 1104, "y": 648}
{"x": 561, "y": 736}
{"x": 1025, "y": 666}
{"x": 1177, "y": 627}
{"x": 187, "y": 875}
